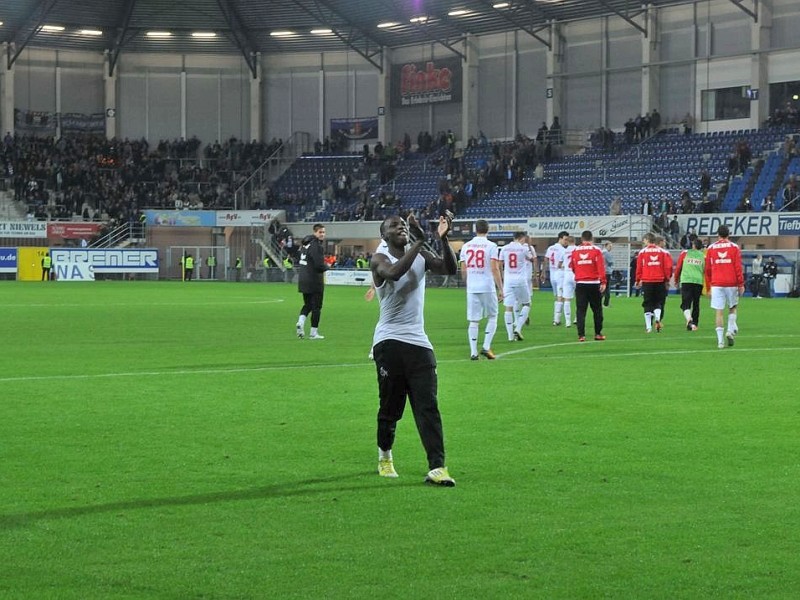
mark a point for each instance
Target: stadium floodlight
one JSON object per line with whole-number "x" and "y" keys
{"x": 94, "y": 32}
{"x": 52, "y": 28}
{"x": 458, "y": 12}
{"x": 282, "y": 33}
{"x": 322, "y": 31}
{"x": 501, "y": 5}
{"x": 419, "y": 19}
{"x": 387, "y": 24}
{"x": 159, "y": 34}
{"x": 204, "y": 34}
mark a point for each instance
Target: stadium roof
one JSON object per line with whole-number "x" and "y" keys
{"x": 275, "y": 26}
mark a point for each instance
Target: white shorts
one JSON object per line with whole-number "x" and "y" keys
{"x": 724, "y": 296}
{"x": 516, "y": 292}
{"x": 568, "y": 285}
{"x": 481, "y": 305}
{"x": 556, "y": 280}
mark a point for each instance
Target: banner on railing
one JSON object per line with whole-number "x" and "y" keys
{"x": 23, "y": 229}
{"x": 34, "y": 122}
{"x": 427, "y": 82}
{"x": 109, "y": 260}
{"x": 348, "y": 277}
{"x": 181, "y": 218}
{"x": 72, "y": 231}
{"x": 81, "y": 123}
{"x": 742, "y": 224}
{"x": 8, "y": 260}
{"x": 248, "y": 218}
{"x": 355, "y": 129}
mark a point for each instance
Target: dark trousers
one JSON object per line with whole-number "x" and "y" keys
{"x": 690, "y": 298}
{"x": 312, "y": 303}
{"x": 653, "y": 296}
{"x": 405, "y": 370}
{"x": 607, "y": 293}
{"x": 45, "y": 273}
{"x": 586, "y": 295}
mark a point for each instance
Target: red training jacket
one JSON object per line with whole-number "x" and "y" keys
{"x": 653, "y": 265}
{"x": 724, "y": 264}
{"x": 588, "y": 264}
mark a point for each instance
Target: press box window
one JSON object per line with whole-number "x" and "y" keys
{"x": 727, "y": 103}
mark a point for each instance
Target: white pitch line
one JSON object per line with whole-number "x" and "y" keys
{"x": 84, "y": 305}
{"x": 506, "y": 355}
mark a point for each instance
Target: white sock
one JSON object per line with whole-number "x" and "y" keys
{"x": 648, "y": 320}
{"x": 301, "y": 321}
{"x": 732, "y": 327}
{"x": 720, "y": 335}
{"x": 472, "y": 332}
{"x": 313, "y": 331}
{"x": 557, "y": 312}
{"x": 523, "y": 315}
{"x": 509, "y": 318}
{"x": 658, "y": 314}
{"x": 568, "y": 311}
{"x": 688, "y": 314}
{"x": 491, "y": 329}
{"x": 384, "y": 454}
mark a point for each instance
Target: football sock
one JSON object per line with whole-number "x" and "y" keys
{"x": 658, "y": 314}
{"x": 523, "y": 315}
{"x": 491, "y": 329}
{"x": 568, "y": 311}
{"x": 720, "y": 335}
{"x": 313, "y": 331}
{"x": 648, "y": 320}
{"x": 732, "y": 323}
{"x": 688, "y": 315}
{"x": 473, "y": 338}
{"x": 384, "y": 454}
{"x": 557, "y": 312}
{"x": 301, "y": 321}
{"x": 509, "y": 317}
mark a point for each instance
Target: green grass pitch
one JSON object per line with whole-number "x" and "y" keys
{"x": 177, "y": 441}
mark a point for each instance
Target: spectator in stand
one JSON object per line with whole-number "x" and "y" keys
{"x": 705, "y": 182}
{"x": 615, "y": 208}
{"x": 768, "y": 205}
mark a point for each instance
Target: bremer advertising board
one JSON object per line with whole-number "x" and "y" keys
{"x": 426, "y": 82}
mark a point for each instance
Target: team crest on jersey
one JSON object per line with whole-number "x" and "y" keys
{"x": 383, "y": 373}
{"x": 722, "y": 254}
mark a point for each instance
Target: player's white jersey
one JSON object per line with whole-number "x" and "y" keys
{"x": 514, "y": 257}
{"x": 567, "y": 259}
{"x": 477, "y": 256}
{"x": 555, "y": 258}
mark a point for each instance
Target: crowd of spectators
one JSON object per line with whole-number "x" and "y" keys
{"x": 100, "y": 179}
{"x": 787, "y": 115}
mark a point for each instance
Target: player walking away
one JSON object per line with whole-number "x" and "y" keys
{"x": 404, "y": 358}
{"x": 609, "y": 263}
{"x": 47, "y": 264}
{"x": 589, "y": 269}
{"x": 480, "y": 267}
{"x": 515, "y": 287}
{"x": 726, "y": 276}
{"x": 531, "y": 266}
{"x": 653, "y": 270}
{"x": 311, "y": 282}
{"x": 690, "y": 275}
{"x": 555, "y": 262}
{"x": 568, "y": 284}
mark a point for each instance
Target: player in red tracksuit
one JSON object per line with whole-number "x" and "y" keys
{"x": 589, "y": 266}
{"x": 653, "y": 271}
{"x": 725, "y": 276}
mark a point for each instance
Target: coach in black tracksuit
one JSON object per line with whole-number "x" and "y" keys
{"x": 311, "y": 281}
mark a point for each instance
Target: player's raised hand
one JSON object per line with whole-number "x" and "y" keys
{"x": 414, "y": 229}
{"x": 445, "y": 222}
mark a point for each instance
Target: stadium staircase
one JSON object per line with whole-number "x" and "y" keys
{"x": 10, "y": 210}
{"x": 122, "y": 236}
{"x": 664, "y": 165}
